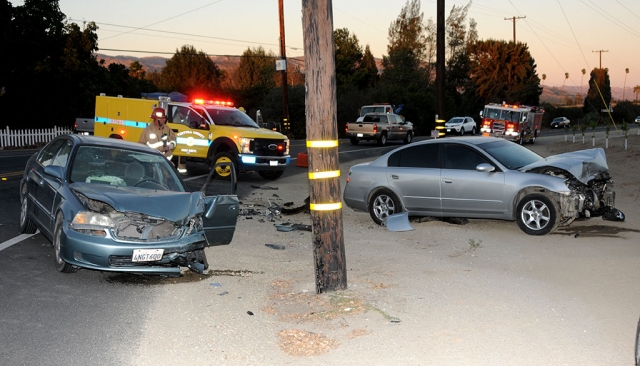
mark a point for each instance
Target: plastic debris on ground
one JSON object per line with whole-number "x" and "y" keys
{"x": 398, "y": 222}
{"x": 275, "y": 246}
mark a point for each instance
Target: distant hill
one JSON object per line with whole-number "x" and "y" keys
{"x": 553, "y": 95}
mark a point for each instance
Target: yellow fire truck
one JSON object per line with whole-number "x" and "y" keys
{"x": 207, "y": 131}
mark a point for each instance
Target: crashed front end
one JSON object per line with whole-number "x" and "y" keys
{"x": 587, "y": 176}
{"x": 103, "y": 238}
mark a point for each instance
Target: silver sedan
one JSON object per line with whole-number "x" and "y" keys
{"x": 484, "y": 177}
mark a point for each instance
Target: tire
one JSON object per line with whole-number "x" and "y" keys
{"x": 61, "y": 265}
{"x": 638, "y": 345}
{"x": 461, "y": 131}
{"x": 354, "y": 141}
{"x": 383, "y": 139}
{"x": 382, "y": 204}
{"x": 536, "y": 214}
{"x": 473, "y": 130}
{"x": 26, "y": 226}
{"x": 223, "y": 172}
{"x": 408, "y": 138}
{"x": 271, "y": 174}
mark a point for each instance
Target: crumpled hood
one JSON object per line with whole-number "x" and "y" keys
{"x": 174, "y": 206}
{"x": 584, "y": 165}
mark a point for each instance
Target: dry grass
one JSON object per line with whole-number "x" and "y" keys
{"x": 301, "y": 343}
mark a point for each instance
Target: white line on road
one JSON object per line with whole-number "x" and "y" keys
{"x": 16, "y": 240}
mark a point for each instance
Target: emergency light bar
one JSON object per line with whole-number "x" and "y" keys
{"x": 213, "y": 102}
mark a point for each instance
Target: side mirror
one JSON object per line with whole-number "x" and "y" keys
{"x": 484, "y": 167}
{"x": 481, "y": 113}
{"x": 54, "y": 171}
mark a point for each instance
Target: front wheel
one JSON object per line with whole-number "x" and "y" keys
{"x": 473, "y": 130}
{"x": 383, "y": 204}
{"x": 61, "y": 265}
{"x": 271, "y": 174}
{"x": 461, "y": 131}
{"x": 537, "y": 214}
{"x": 224, "y": 171}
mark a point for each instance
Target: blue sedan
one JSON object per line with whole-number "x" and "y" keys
{"x": 484, "y": 177}
{"x": 113, "y": 205}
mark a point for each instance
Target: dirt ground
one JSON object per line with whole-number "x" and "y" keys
{"x": 482, "y": 293}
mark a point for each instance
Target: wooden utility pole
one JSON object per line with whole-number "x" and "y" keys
{"x": 286, "y": 125}
{"x": 322, "y": 145}
{"x": 600, "y": 51}
{"x": 440, "y": 66}
{"x": 514, "y": 25}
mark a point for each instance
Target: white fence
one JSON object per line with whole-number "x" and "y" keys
{"x": 30, "y": 138}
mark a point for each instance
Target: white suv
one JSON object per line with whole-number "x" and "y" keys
{"x": 461, "y": 125}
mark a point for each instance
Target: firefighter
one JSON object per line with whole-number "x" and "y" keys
{"x": 158, "y": 135}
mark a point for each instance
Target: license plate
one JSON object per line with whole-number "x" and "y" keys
{"x": 147, "y": 255}
{"x": 273, "y": 162}
{"x": 359, "y": 135}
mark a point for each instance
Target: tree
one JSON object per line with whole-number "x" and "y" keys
{"x": 369, "y": 69}
{"x": 191, "y": 72}
{"x": 136, "y": 71}
{"x": 544, "y": 77}
{"x": 254, "y": 77}
{"x": 636, "y": 91}
{"x": 582, "y": 80}
{"x": 599, "y": 94}
{"x": 348, "y": 53}
{"x": 504, "y": 71}
{"x": 624, "y": 87}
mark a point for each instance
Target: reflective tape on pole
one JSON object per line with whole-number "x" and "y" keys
{"x": 326, "y": 143}
{"x": 325, "y": 206}
{"x": 324, "y": 175}
{"x": 440, "y": 127}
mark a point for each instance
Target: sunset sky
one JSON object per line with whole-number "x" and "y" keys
{"x": 562, "y": 35}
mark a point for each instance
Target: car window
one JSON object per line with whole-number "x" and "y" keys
{"x": 462, "y": 157}
{"x": 419, "y": 156}
{"x": 49, "y": 152}
{"x": 63, "y": 155}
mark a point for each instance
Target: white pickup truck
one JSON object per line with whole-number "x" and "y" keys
{"x": 380, "y": 127}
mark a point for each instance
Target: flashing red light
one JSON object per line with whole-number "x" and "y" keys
{"x": 280, "y": 147}
{"x": 123, "y": 131}
{"x": 375, "y": 128}
{"x": 346, "y": 129}
{"x": 213, "y": 102}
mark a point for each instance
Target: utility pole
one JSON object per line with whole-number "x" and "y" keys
{"x": 514, "y": 25}
{"x": 440, "y": 66}
{"x": 322, "y": 145}
{"x": 600, "y": 51}
{"x": 286, "y": 125}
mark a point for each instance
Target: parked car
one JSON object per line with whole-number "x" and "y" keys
{"x": 113, "y": 205}
{"x": 484, "y": 177}
{"x": 461, "y": 125}
{"x": 560, "y": 122}
{"x": 638, "y": 119}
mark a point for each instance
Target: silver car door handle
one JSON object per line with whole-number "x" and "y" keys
{"x": 393, "y": 176}
{"x": 447, "y": 181}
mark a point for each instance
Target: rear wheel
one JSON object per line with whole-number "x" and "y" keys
{"x": 354, "y": 141}
{"x": 537, "y": 214}
{"x": 61, "y": 265}
{"x": 26, "y": 226}
{"x": 224, "y": 171}
{"x": 408, "y": 138}
{"x": 383, "y": 139}
{"x": 271, "y": 174}
{"x": 382, "y": 204}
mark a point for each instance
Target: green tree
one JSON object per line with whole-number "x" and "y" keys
{"x": 191, "y": 72}
{"x": 599, "y": 94}
{"x": 254, "y": 77}
{"x": 136, "y": 71}
{"x": 348, "y": 54}
{"x": 504, "y": 71}
{"x": 369, "y": 70}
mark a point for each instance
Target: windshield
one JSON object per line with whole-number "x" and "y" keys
{"x": 119, "y": 167}
{"x": 231, "y": 117}
{"x": 372, "y": 109}
{"x": 456, "y": 120}
{"x": 512, "y": 156}
{"x": 502, "y": 114}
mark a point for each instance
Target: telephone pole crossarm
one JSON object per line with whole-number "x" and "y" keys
{"x": 514, "y": 25}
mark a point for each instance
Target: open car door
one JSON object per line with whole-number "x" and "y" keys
{"x": 220, "y": 211}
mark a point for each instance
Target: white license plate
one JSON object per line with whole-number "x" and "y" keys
{"x": 147, "y": 255}
{"x": 359, "y": 135}
{"x": 273, "y": 162}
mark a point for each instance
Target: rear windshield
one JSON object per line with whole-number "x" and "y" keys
{"x": 375, "y": 118}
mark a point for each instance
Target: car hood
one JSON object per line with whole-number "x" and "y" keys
{"x": 174, "y": 206}
{"x": 584, "y": 165}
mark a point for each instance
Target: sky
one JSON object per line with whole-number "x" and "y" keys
{"x": 563, "y": 36}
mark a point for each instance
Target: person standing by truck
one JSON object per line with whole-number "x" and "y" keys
{"x": 158, "y": 135}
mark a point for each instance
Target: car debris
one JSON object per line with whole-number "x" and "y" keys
{"x": 287, "y": 226}
{"x": 275, "y": 246}
{"x": 398, "y": 222}
{"x": 265, "y": 187}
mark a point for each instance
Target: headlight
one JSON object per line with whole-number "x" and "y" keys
{"x": 286, "y": 149}
{"x": 88, "y": 220}
{"x": 245, "y": 145}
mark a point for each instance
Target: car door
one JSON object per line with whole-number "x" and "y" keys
{"x": 220, "y": 209}
{"x": 467, "y": 192}
{"x": 414, "y": 174}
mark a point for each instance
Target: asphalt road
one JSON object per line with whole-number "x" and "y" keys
{"x": 51, "y": 318}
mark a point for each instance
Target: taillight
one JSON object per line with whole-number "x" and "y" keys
{"x": 375, "y": 128}
{"x": 346, "y": 129}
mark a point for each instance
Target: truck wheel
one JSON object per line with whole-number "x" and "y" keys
{"x": 383, "y": 139}
{"x": 408, "y": 138}
{"x": 271, "y": 174}
{"x": 382, "y": 204}
{"x": 354, "y": 141}
{"x": 224, "y": 172}
{"x": 536, "y": 214}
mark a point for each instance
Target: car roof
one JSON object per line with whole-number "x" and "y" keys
{"x": 472, "y": 140}
{"x": 88, "y": 140}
